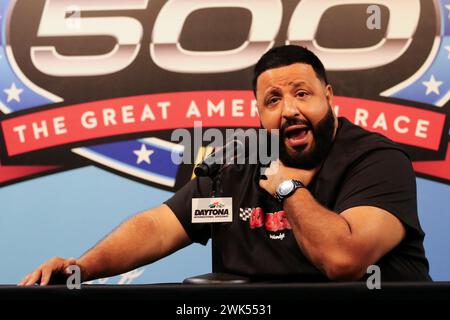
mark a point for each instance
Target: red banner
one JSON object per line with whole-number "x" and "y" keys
{"x": 403, "y": 124}
{"x": 115, "y": 117}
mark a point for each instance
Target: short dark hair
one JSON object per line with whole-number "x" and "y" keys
{"x": 286, "y": 55}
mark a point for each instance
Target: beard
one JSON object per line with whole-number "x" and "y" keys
{"x": 321, "y": 144}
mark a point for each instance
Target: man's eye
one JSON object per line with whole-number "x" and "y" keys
{"x": 302, "y": 94}
{"x": 272, "y": 100}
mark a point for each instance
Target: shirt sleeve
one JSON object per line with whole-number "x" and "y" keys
{"x": 385, "y": 179}
{"x": 181, "y": 205}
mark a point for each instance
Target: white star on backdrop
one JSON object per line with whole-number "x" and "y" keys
{"x": 448, "y": 8}
{"x": 448, "y": 49}
{"x": 13, "y": 93}
{"x": 143, "y": 154}
{"x": 432, "y": 85}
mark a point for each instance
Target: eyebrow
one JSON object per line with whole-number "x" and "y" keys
{"x": 270, "y": 91}
{"x": 294, "y": 84}
{"x": 297, "y": 84}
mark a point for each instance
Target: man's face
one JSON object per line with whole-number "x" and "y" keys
{"x": 293, "y": 100}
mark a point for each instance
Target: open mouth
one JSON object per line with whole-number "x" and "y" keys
{"x": 297, "y": 135}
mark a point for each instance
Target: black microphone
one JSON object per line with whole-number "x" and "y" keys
{"x": 213, "y": 162}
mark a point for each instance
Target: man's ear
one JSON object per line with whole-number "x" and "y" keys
{"x": 329, "y": 94}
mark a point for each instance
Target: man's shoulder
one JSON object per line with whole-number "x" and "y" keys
{"x": 355, "y": 145}
{"x": 355, "y": 141}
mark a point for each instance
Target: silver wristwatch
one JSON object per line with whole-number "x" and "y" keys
{"x": 286, "y": 188}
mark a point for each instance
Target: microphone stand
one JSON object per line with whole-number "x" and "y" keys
{"x": 217, "y": 276}
{"x": 216, "y": 192}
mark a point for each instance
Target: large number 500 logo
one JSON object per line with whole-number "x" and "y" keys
{"x": 167, "y": 53}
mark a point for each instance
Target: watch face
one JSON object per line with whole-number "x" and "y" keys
{"x": 285, "y": 187}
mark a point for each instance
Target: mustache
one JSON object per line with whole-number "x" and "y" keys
{"x": 293, "y": 122}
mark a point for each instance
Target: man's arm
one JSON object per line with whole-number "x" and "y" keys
{"x": 142, "y": 239}
{"x": 344, "y": 245}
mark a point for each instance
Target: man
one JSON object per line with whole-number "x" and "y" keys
{"x": 338, "y": 200}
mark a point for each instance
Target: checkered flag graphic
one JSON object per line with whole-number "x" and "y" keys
{"x": 245, "y": 213}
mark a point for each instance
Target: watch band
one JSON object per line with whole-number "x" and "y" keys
{"x": 296, "y": 185}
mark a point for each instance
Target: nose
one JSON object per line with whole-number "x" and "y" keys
{"x": 290, "y": 109}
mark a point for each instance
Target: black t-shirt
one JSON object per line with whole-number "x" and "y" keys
{"x": 361, "y": 168}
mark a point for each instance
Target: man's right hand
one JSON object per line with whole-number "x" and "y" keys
{"x": 56, "y": 267}
{"x": 144, "y": 238}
